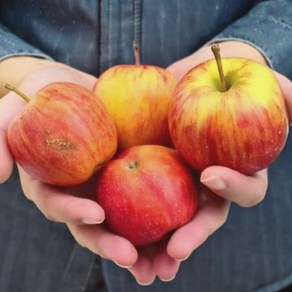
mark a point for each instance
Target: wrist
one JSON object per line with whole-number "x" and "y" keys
{"x": 227, "y": 49}
{"x": 14, "y": 69}
{"x": 239, "y": 48}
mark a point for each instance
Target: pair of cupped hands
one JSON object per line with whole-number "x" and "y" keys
{"x": 75, "y": 206}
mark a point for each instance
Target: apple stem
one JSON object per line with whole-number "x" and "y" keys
{"x": 17, "y": 91}
{"x": 137, "y": 53}
{"x": 216, "y": 51}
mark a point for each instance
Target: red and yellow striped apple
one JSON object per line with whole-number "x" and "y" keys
{"x": 146, "y": 192}
{"x": 243, "y": 126}
{"x": 137, "y": 97}
{"x": 63, "y": 135}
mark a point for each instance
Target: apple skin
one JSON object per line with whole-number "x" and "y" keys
{"x": 63, "y": 135}
{"x": 137, "y": 97}
{"x": 146, "y": 192}
{"x": 244, "y": 128}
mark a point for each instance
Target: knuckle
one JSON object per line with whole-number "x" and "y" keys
{"x": 26, "y": 191}
{"x": 258, "y": 195}
{"x": 77, "y": 235}
{"x": 50, "y": 217}
{"x": 222, "y": 219}
{"x": 81, "y": 242}
{"x": 253, "y": 200}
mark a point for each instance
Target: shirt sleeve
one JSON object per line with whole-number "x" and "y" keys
{"x": 268, "y": 27}
{"x": 11, "y": 45}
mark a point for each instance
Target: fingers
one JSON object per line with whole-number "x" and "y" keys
{"x": 115, "y": 248}
{"x": 143, "y": 266}
{"x": 142, "y": 270}
{"x": 154, "y": 261}
{"x": 165, "y": 266}
{"x": 9, "y": 107}
{"x": 104, "y": 243}
{"x": 231, "y": 185}
{"x": 212, "y": 214}
{"x": 213, "y": 211}
{"x": 59, "y": 206}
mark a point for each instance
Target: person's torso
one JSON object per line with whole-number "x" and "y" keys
{"x": 93, "y": 35}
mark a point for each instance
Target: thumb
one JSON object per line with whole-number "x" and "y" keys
{"x": 231, "y": 185}
{"x": 10, "y": 106}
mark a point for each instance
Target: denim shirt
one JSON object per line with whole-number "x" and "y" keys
{"x": 252, "y": 251}
{"x": 93, "y": 35}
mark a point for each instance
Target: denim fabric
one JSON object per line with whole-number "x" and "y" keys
{"x": 268, "y": 27}
{"x": 11, "y": 45}
{"x": 252, "y": 251}
{"x": 94, "y": 35}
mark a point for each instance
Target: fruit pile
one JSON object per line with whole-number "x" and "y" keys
{"x": 146, "y": 135}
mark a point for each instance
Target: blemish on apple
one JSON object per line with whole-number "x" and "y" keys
{"x": 59, "y": 144}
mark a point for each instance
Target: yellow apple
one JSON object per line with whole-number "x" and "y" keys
{"x": 137, "y": 97}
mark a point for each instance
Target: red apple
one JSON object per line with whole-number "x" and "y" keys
{"x": 243, "y": 126}
{"x": 137, "y": 97}
{"x": 63, "y": 135}
{"x": 146, "y": 192}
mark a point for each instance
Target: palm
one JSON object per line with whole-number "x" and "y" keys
{"x": 164, "y": 259}
{"x": 76, "y": 206}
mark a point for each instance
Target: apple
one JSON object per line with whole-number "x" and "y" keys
{"x": 238, "y": 120}
{"x": 63, "y": 135}
{"x": 137, "y": 97}
{"x": 146, "y": 192}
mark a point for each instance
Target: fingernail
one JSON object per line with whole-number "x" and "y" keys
{"x": 145, "y": 283}
{"x": 167, "y": 280}
{"x": 91, "y": 221}
{"x": 123, "y": 266}
{"x": 214, "y": 183}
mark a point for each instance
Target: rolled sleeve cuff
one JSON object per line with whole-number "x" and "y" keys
{"x": 271, "y": 36}
{"x": 11, "y": 45}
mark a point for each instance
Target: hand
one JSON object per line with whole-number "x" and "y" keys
{"x": 74, "y": 206}
{"x": 35, "y": 74}
{"x": 223, "y": 185}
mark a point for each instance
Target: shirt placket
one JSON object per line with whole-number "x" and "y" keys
{"x": 120, "y": 26}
